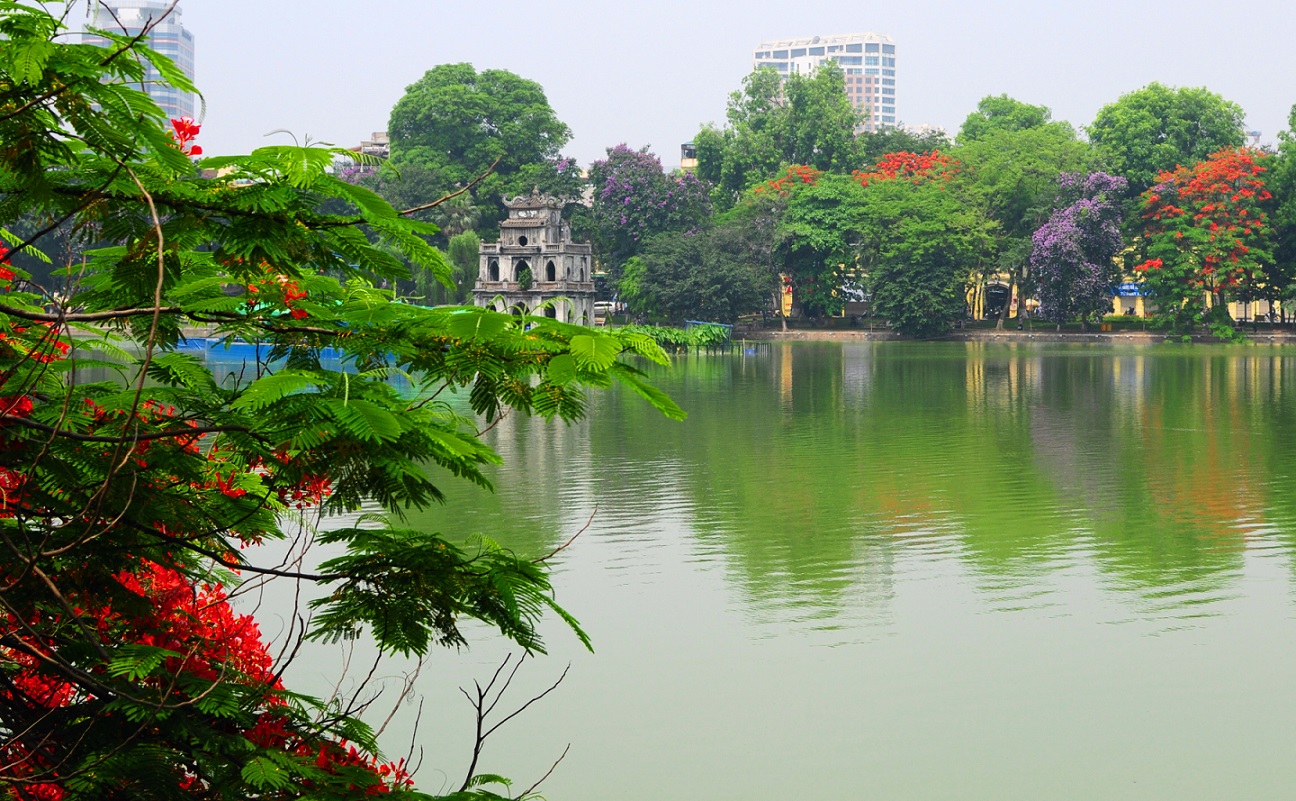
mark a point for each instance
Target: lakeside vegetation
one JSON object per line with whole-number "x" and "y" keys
{"x": 1158, "y": 195}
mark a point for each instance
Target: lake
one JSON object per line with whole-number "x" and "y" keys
{"x": 900, "y": 571}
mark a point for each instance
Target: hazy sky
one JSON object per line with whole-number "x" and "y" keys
{"x": 651, "y": 73}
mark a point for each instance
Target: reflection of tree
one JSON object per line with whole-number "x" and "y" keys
{"x": 817, "y": 469}
{"x": 1022, "y": 454}
{"x": 545, "y": 498}
{"x": 1195, "y": 475}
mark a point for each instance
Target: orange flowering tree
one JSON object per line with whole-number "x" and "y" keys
{"x": 913, "y": 167}
{"x": 1206, "y": 233}
{"x": 815, "y": 235}
{"x": 823, "y": 228}
{"x": 134, "y": 503}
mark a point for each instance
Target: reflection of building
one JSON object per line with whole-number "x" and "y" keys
{"x": 535, "y": 261}
{"x": 167, "y": 37}
{"x": 868, "y": 59}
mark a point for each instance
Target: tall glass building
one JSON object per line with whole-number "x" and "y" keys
{"x": 868, "y": 59}
{"x": 168, "y": 37}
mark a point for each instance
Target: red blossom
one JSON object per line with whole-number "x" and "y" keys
{"x": 184, "y": 131}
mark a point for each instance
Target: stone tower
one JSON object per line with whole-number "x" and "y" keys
{"x": 534, "y": 261}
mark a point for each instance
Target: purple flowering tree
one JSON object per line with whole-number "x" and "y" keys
{"x": 635, "y": 199}
{"x": 1073, "y": 254}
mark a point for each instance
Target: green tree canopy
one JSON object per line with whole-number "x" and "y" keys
{"x": 820, "y": 236}
{"x": 1158, "y": 128}
{"x": 455, "y": 123}
{"x": 873, "y": 146}
{"x": 775, "y": 122}
{"x": 1002, "y": 113}
{"x": 699, "y": 277}
{"x": 923, "y": 244}
{"x": 1014, "y": 172}
{"x": 1013, "y": 175}
{"x": 1282, "y": 182}
{"x": 463, "y": 252}
{"x": 755, "y": 220}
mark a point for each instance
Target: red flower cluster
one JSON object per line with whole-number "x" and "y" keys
{"x": 184, "y": 131}
{"x": 5, "y": 273}
{"x": 271, "y": 731}
{"x": 1210, "y": 216}
{"x": 796, "y": 174}
{"x": 213, "y": 643}
{"x": 915, "y": 167}
{"x": 289, "y": 290}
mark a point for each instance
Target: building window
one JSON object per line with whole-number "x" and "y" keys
{"x": 551, "y": 272}
{"x": 886, "y": 91}
{"x": 887, "y": 72}
{"x": 889, "y": 49}
{"x": 852, "y": 60}
{"x": 799, "y": 52}
{"x": 854, "y": 48}
{"x": 888, "y": 81}
{"x": 871, "y": 71}
{"x": 779, "y": 54}
{"x": 888, "y": 109}
{"x": 888, "y": 62}
{"x": 872, "y": 61}
{"x": 871, "y": 47}
{"x": 492, "y": 272}
{"x": 888, "y": 119}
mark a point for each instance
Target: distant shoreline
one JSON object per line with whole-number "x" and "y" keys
{"x": 1040, "y": 334}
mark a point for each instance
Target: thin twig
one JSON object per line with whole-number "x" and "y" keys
{"x": 564, "y": 546}
{"x": 528, "y": 791}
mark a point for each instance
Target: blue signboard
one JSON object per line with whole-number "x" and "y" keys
{"x": 1129, "y": 289}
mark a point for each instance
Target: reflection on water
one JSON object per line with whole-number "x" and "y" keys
{"x": 963, "y": 571}
{"x": 935, "y": 571}
{"x": 815, "y": 472}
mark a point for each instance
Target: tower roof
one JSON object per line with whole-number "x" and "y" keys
{"x": 535, "y": 201}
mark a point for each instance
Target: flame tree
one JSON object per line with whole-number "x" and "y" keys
{"x": 1206, "y": 235}
{"x": 131, "y": 508}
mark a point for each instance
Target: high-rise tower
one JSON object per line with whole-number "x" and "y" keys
{"x": 868, "y": 59}
{"x": 168, "y": 37}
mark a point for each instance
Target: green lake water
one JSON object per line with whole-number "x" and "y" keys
{"x": 902, "y": 571}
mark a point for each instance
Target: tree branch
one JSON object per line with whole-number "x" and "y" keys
{"x": 129, "y": 439}
{"x": 86, "y": 317}
{"x": 444, "y": 198}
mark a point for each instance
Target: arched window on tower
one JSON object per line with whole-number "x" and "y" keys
{"x": 492, "y": 270}
{"x": 551, "y": 271}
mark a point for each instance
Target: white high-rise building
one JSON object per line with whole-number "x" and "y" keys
{"x": 168, "y": 37}
{"x": 868, "y": 59}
